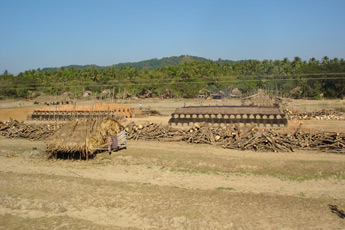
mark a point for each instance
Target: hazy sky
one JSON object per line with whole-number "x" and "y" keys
{"x": 52, "y": 33}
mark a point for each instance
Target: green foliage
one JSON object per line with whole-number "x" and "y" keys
{"x": 148, "y": 64}
{"x": 186, "y": 76}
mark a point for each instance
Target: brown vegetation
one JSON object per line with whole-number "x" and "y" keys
{"x": 82, "y": 138}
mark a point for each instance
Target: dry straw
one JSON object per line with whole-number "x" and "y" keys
{"x": 82, "y": 138}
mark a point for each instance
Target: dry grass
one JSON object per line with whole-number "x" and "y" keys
{"x": 159, "y": 185}
{"x": 82, "y": 138}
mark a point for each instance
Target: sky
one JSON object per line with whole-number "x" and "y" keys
{"x": 52, "y": 33}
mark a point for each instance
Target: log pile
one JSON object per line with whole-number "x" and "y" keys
{"x": 273, "y": 140}
{"x": 242, "y": 138}
{"x": 152, "y": 131}
{"x": 229, "y": 137}
{"x": 16, "y": 129}
{"x": 323, "y": 114}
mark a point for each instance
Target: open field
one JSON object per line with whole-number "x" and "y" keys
{"x": 10, "y": 108}
{"x": 161, "y": 185}
{"x": 154, "y": 185}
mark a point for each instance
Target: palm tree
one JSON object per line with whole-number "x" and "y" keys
{"x": 325, "y": 60}
{"x": 312, "y": 61}
{"x": 296, "y": 62}
{"x": 335, "y": 60}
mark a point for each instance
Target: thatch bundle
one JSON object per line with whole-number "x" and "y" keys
{"x": 82, "y": 138}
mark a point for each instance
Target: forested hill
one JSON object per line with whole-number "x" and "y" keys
{"x": 159, "y": 63}
{"x": 147, "y": 64}
{"x": 77, "y": 67}
{"x": 289, "y": 78}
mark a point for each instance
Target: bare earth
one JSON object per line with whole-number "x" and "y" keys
{"x": 160, "y": 185}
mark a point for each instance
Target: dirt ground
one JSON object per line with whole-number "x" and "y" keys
{"x": 161, "y": 185}
{"x": 11, "y": 109}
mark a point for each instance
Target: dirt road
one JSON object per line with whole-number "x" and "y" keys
{"x": 155, "y": 185}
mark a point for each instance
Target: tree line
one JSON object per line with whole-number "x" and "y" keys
{"x": 295, "y": 78}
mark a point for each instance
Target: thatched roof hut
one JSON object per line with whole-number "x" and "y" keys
{"x": 261, "y": 99}
{"x": 82, "y": 138}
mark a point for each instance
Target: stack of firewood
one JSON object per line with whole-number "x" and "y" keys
{"x": 272, "y": 140}
{"x": 229, "y": 137}
{"x": 16, "y": 129}
{"x": 318, "y": 115}
{"x": 152, "y": 131}
{"x": 243, "y": 138}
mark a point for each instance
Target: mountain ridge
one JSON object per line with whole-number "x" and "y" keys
{"x": 149, "y": 64}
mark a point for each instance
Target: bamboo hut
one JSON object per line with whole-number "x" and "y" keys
{"x": 82, "y": 138}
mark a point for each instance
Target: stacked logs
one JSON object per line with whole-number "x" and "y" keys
{"x": 229, "y": 137}
{"x": 243, "y": 138}
{"x": 16, "y": 129}
{"x": 152, "y": 131}
{"x": 323, "y": 114}
{"x": 272, "y": 140}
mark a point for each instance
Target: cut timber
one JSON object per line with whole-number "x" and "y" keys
{"x": 243, "y": 138}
